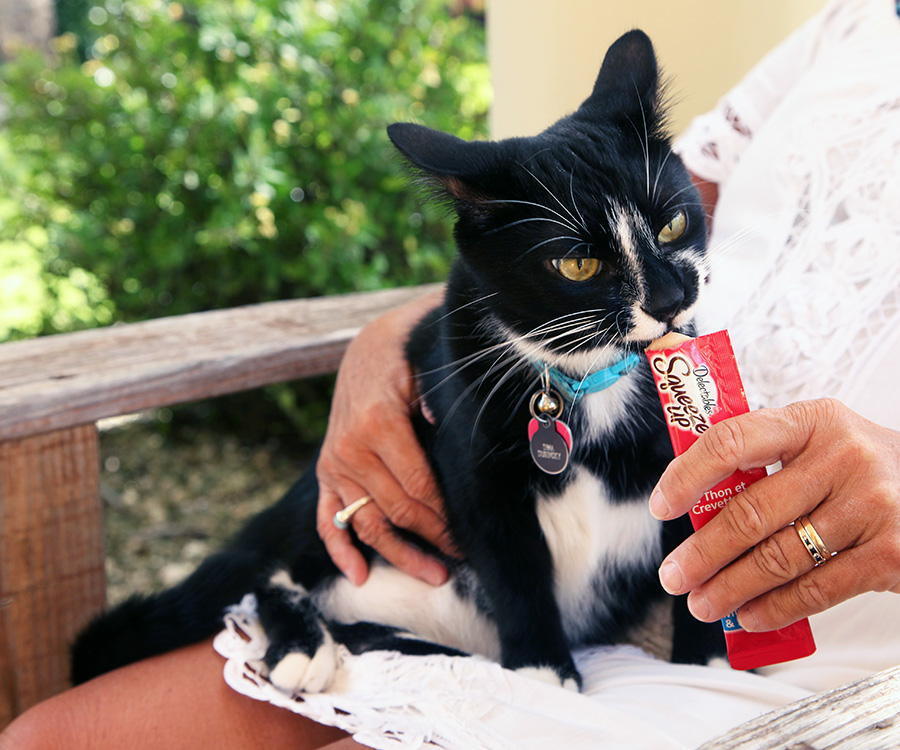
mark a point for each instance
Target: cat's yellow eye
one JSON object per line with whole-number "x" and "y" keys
{"x": 674, "y": 229}
{"x": 577, "y": 269}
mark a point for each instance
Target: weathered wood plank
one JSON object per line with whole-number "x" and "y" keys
{"x": 862, "y": 716}
{"x": 72, "y": 379}
{"x": 52, "y": 576}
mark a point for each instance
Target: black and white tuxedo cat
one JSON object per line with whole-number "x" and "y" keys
{"x": 577, "y": 247}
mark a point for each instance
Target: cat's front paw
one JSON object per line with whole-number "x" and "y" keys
{"x": 294, "y": 670}
{"x": 569, "y": 679}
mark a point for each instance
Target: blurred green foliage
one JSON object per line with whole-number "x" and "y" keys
{"x": 181, "y": 157}
{"x": 234, "y": 151}
{"x": 33, "y": 298}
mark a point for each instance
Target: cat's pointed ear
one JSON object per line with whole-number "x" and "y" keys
{"x": 462, "y": 167}
{"x": 628, "y": 81}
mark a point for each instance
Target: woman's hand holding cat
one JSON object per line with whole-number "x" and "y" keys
{"x": 370, "y": 449}
{"x": 839, "y": 469}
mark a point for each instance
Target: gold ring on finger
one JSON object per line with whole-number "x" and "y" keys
{"x": 817, "y": 549}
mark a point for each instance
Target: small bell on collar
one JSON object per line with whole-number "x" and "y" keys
{"x": 549, "y": 437}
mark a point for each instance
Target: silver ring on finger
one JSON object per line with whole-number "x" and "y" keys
{"x": 342, "y": 517}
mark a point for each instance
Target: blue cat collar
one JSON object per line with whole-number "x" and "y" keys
{"x": 573, "y": 389}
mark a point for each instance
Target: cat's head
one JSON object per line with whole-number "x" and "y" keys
{"x": 586, "y": 238}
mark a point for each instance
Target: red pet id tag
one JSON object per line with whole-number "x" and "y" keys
{"x": 550, "y": 438}
{"x": 551, "y": 443}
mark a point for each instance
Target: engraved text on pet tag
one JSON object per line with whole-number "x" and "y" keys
{"x": 549, "y": 437}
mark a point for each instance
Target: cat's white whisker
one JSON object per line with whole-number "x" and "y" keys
{"x": 659, "y": 172}
{"x": 529, "y": 220}
{"x": 562, "y": 321}
{"x": 564, "y": 220}
{"x": 645, "y": 141}
{"x": 467, "y": 304}
{"x": 473, "y": 387}
{"x": 619, "y": 329}
{"x": 575, "y": 344}
{"x": 509, "y": 373}
{"x": 588, "y": 327}
{"x": 732, "y": 242}
{"x": 674, "y": 195}
{"x": 575, "y": 248}
{"x": 542, "y": 330}
{"x": 551, "y": 240}
{"x": 550, "y": 193}
{"x": 458, "y": 366}
{"x": 583, "y": 223}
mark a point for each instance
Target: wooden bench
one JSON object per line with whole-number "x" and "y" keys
{"x": 54, "y": 390}
{"x": 864, "y": 715}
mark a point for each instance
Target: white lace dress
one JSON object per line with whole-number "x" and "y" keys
{"x": 806, "y": 237}
{"x": 806, "y": 275}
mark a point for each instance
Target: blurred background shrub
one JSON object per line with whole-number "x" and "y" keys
{"x": 176, "y": 157}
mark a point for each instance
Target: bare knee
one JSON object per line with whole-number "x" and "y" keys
{"x": 45, "y": 726}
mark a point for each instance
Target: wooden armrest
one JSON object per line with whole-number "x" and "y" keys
{"x": 72, "y": 379}
{"x": 864, "y": 715}
{"x": 52, "y": 392}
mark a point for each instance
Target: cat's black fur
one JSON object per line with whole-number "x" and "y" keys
{"x": 550, "y": 561}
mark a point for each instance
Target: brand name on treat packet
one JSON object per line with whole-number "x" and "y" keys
{"x": 691, "y": 393}
{"x": 699, "y": 384}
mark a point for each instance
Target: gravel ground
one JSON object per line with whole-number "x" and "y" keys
{"x": 169, "y": 502}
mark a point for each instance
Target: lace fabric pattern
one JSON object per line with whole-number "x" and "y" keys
{"x": 833, "y": 297}
{"x": 389, "y": 701}
{"x": 380, "y": 714}
{"x": 827, "y": 299}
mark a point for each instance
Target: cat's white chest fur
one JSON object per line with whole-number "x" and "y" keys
{"x": 587, "y": 535}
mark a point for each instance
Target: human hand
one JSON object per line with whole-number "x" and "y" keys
{"x": 838, "y": 468}
{"x": 370, "y": 448}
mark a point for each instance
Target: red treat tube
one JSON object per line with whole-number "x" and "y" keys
{"x": 699, "y": 385}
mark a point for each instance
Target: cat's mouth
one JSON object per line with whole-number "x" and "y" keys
{"x": 640, "y": 336}
{"x": 646, "y": 327}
